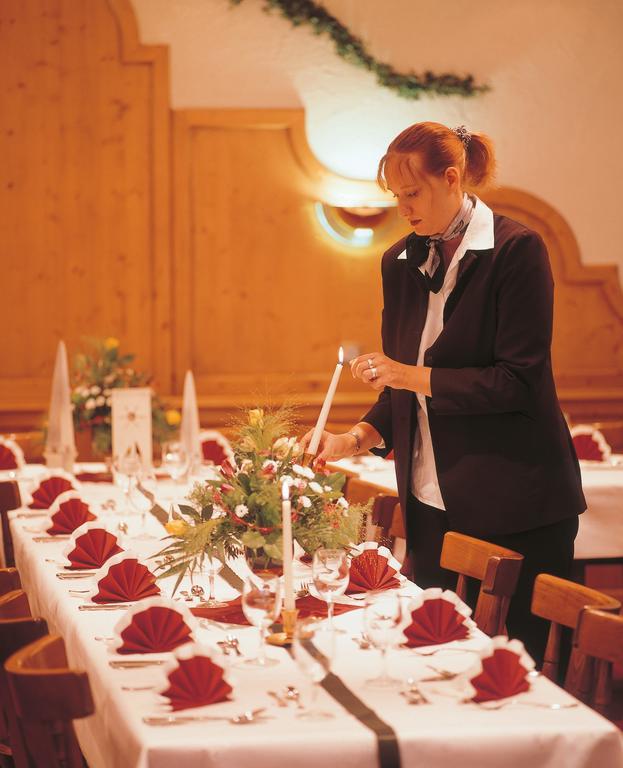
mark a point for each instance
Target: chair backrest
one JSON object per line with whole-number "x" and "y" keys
{"x": 9, "y": 580}
{"x": 561, "y": 602}
{"x": 497, "y": 569}
{"x": 9, "y": 499}
{"x": 215, "y": 447}
{"x": 14, "y": 605}
{"x": 599, "y": 636}
{"x": 47, "y": 695}
{"x": 14, "y": 634}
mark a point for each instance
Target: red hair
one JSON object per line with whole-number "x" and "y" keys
{"x": 440, "y": 147}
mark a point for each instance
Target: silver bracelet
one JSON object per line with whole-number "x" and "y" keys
{"x": 357, "y": 441}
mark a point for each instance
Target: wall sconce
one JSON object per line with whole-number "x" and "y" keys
{"x": 358, "y": 226}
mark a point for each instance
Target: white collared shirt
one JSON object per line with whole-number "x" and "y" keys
{"x": 478, "y": 236}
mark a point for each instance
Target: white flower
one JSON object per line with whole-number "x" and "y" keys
{"x": 90, "y": 404}
{"x": 303, "y": 471}
{"x": 95, "y": 390}
{"x": 85, "y": 391}
{"x": 328, "y": 488}
{"x": 305, "y": 502}
{"x": 246, "y": 465}
{"x": 109, "y": 379}
{"x": 241, "y": 510}
{"x": 316, "y": 487}
{"x": 218, "y": 512}
{"x": 281, "y": 447}
{"x": 341, "y": 502}
{"x": 100, "y": 400}
{"x": 300, "y": 484}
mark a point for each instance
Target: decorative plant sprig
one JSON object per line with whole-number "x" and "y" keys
{"x": 353, "y": 50}
{"x": 240, "y": 509}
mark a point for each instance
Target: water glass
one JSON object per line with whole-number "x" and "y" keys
{"x": 330, "y": 573}
{"x": 142, "y": 497}
{"x": 261, "y": 603}
{"x": 383, "y": 619}
{"x": 313, "y": 651}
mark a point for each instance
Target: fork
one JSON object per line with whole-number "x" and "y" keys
{"x": 514, "y": 702}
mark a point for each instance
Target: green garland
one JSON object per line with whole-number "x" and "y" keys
{"x": 352, "y": 49}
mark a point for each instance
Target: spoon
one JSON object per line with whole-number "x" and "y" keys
{"x": 244, "y": 718}
{"x": 137, "y": 687}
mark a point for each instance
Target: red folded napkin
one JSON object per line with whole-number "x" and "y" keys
{"x": 588, "y": 448}
{"x": 437, "y": 617}
{"x": 48, "y": 490}
{"x": 155, "y": 628}
{"x": 8, "y": 460}
{"x": 211, "y": 450}
{"x": 373, "y": 568}
{"x": 95, "y": 477}
{"x": 195, "y": 681}
{"x": 71, "y": 515}
{"x": 232, "y": 612}
{"x": 91, "y": 547}
{"x": 123, "y": 580}
{"x": 503, "y": 672}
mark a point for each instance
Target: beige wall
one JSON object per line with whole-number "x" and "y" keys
{"x": 555, "y": 67}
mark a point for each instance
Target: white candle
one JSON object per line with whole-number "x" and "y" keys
{"x": 286, "y": 521}
{"x": 326, "y": 406}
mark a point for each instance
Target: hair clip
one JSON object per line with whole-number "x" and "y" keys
{"x": 463, "y": 134}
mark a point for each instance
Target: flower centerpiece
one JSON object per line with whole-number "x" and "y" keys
{"x": 95, "y": 375}
{"x": 239, "y": 511}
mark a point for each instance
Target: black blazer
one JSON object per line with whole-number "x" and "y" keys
{"x": 504, "y": 456}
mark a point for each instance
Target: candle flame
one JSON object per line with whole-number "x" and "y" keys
{"x": 340, "y": 356}
{"x": 285, "y": 490}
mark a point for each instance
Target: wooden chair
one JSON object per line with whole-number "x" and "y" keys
{"x": 599, "y": 636}
{"x": 9, "y": 499}
{"x": 9, "y": 580}
{"x": 561, "y": 602}
{"x": 497, "y": 568}
{"x": 14, "y": 605}
{"x": 360, "y": 491}
{"x": 47, "y": 695}
{"x": 15, "y": 633}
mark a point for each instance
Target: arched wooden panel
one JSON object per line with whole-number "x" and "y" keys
{"x": 84, "y": 188}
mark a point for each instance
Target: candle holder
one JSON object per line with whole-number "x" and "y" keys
{"x": 307, "y": 459}
{"x": 288, "y": 619}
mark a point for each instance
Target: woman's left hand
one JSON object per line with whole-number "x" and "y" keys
{"x": 380, "y": 371}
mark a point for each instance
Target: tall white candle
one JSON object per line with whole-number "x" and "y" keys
{"x": 326, "y": 406}
{"x": 286, "y": 522}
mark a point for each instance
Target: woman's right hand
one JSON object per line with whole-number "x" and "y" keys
{"x": 331, "y": 447}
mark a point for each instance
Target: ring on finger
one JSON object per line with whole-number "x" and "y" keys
{"x": 373, "y": 373}
{"x": 370, "y": 363}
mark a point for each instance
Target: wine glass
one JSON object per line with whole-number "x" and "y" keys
{"x": 124, "y": 470}
{"x": 175, "y": 460}
{"x": 261, "y": 603}
{"x": 142, "y": 497}
{"x": 313, "y": 651}
{"x": 212, "y": 566}
{"x": 330, "y": 573}
{"x": 383, "y": 617}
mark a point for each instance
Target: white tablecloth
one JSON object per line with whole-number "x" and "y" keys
{"x": 445, "y": 733}
{"x": 601, "y": 527}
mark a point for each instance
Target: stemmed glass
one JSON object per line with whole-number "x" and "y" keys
{"x": 383, "y": 617}
{"x": 141, "y": 495}
{"x": 261, "y": 603}
{"x": 175, "y": 460}
{"x": 330, "y": 573}
{"x": 212, "y": 566}
{"x": 124, "y": 470}
{"x": 313, "y": 651}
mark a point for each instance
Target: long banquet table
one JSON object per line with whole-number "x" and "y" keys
{"x": 600, "y": 535}
{"x": 443, "y": 733}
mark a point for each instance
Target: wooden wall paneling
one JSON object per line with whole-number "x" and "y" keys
{"x": 84, "y": 189}
{"x": 263, "y": 298}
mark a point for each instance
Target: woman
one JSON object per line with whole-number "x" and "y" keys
{"x": 467, "y": 399}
